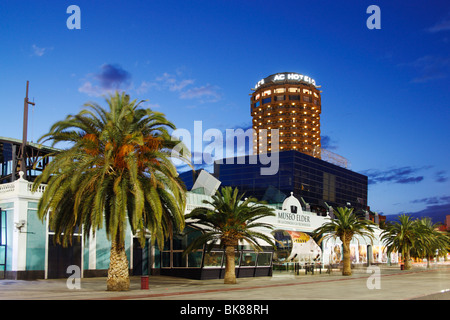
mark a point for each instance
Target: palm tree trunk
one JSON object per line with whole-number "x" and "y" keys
{"x": 230, "y": 272}
{"x": 346, "y": 270}
{"x": 118, "y": 278}
{"x": 407, "y": 262}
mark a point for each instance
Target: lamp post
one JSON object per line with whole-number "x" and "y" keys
{"x": 23, "y": 159}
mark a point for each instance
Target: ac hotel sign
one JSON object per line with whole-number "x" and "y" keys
{"x": 286, "y": 77}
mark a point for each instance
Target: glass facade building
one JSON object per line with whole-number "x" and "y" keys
{"x": 319, "y": 184}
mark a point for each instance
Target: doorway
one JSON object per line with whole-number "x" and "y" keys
{"x": 60, "y": 258}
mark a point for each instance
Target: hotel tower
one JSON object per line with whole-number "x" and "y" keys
{"x": 289, "y": 102}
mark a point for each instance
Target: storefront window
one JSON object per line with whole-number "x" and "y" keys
{"x": 172, "y": 254}
{"x": 195, "y": 259}
{"x": 248, "y": 259}
{"x": 237, "y": 258}
{"x": 213, "y": 259}
{"x": 178, "y": 260}
{"x": 165, "y": 259}
{"x": 264, "y": 259}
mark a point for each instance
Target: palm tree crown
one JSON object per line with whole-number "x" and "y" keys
{"x": 400, "y": 236}
{"x": 115, "y": 170}
{"x": 417, "y": 238}
{"x": 228, "y": 220}
{"x": 345, "y": 226}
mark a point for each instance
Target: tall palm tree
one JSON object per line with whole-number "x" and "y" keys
{"x": 229, "y": 220}
{"x": 429, "y": 240}
{"x": 115, "y": 169}
{"x": 401, "y": 236}
{"x": 345, "y": 226}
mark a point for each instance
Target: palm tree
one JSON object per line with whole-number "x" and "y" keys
{"x": 228, "y": 220}
{"x": 345, "y": 226}
{"x": 429, "y": 240}
{"x": 401, "y": 236}
{"x": 115, "y": 169}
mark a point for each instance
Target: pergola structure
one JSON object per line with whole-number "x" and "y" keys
{"x": 36, "y": 157}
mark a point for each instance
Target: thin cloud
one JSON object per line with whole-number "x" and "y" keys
{"x": 165, "y": 82}
{"x": 145, "y": 86}
{"x": 442, "y": 25}
{"x": 436, "y": 208}
{"x": 328, "y": 143}
{"x": 174, "y": 83}
{"x": 207, "y": 93}
{"x": 429, "y": 68}
{"x": 441, "y": 176}
{"x": 401, "y": 175}
{"x": 38, "y": 51}
{"x": 111, "y": 77}
{"x": 433, "y": 200}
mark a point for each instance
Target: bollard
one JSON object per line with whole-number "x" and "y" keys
{"x": 144, "y": 282}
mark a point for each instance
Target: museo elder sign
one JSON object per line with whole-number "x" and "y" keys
{"x": 293, "y": 219}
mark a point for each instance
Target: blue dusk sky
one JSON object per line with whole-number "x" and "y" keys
{"x": 385, "y": 92}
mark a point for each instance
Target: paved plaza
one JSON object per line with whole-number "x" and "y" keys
{"x": 383, "y": 283}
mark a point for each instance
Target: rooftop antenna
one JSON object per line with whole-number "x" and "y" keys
{"x": 23, "y": 156}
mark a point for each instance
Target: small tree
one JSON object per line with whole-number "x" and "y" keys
{"x": 345, "y": 226}
{"x": 230, "y": 220}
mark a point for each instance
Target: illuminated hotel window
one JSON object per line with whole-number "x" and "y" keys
{"x": 294, "y": 90}
{"x": 267, "y": 92}
{"x": 279, "y": 90}
{"x": 257, "y": 96}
